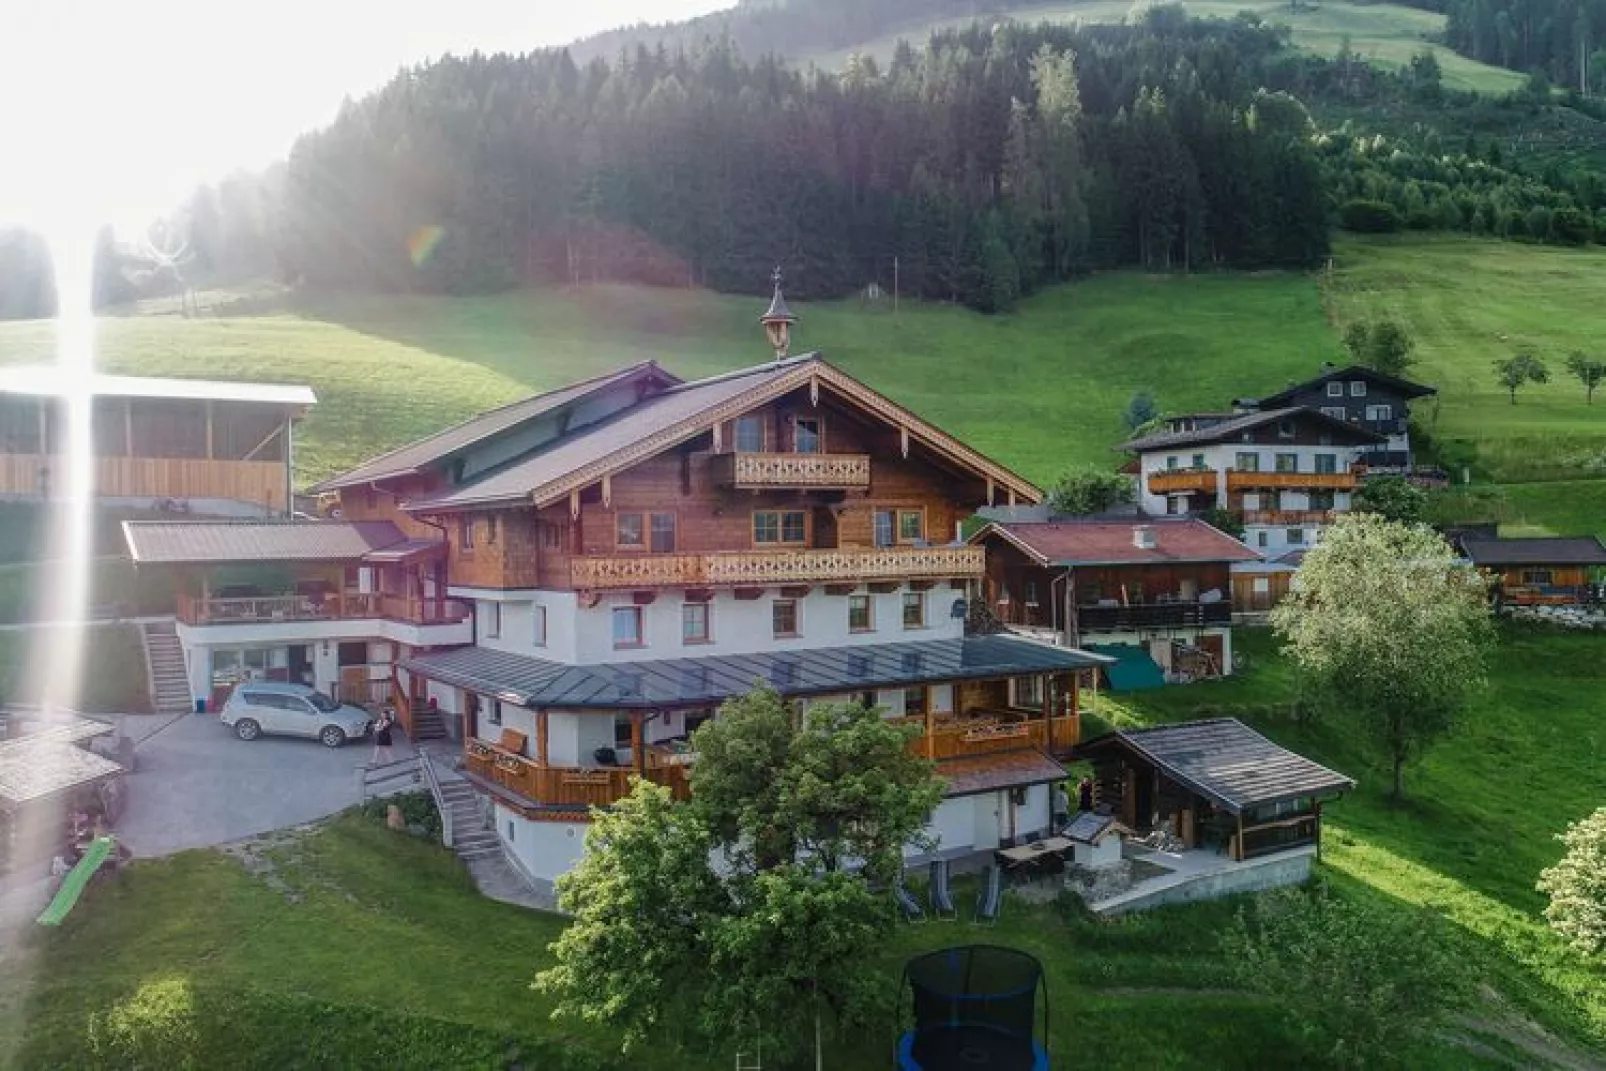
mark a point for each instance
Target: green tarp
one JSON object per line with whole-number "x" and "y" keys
{"x": 1133, "y": 668}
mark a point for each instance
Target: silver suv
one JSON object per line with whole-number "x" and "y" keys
{"x": 293, "y": 710}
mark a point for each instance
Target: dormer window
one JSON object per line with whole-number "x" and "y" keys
{"x": 750, "y": 435}
{"x": 1357, "y": 388}
{"x": 1335, "y": 389}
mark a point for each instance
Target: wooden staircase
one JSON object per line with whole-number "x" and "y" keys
{"x": 165, "y": 668}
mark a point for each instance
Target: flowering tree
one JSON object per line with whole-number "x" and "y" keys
{"x": 1577, "y": 885}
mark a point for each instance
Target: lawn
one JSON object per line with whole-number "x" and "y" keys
{"x": 1467, "y": 303}
{"x": 114, "y": 674}
{"x": 367, "y": 948}
{"x": 1387, "y": 34}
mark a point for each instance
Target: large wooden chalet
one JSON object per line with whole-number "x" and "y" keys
{"x": 184, "y": 445}
{"x": 632, "y": 550}
{"x": 1547, "y": 571}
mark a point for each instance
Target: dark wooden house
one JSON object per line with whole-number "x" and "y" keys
{"x": 1364, "y": 397}
{"x": 1558, "y": 571}
{"x": 1213, "y": 784}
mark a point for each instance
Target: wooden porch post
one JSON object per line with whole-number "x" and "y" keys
{"x": 471, "y": 721}
{"x": 931, "y": 743}
{"x": 638, "y": 754}
{"x": 1238, "y": 841}
{"x": 540, "y": 736}
{"x": 1048, "y": 708}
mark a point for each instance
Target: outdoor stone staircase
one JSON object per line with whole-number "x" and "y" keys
{"x": 471, "y": 840}
{"x": 165, "y": 668}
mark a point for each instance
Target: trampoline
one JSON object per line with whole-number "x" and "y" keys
{"x": 975, "y": 1008}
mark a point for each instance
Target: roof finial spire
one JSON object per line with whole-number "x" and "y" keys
{"x": 778, "y": 320}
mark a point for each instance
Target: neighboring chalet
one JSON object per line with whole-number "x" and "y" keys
{"x": 1368, "y": 399}
{"x": 1558, "y": 571}
{"x": 1285, "y": 472}
{"x": 1155, "y": 593}
{"x": 185, "y": 445}
{"x": 575, "y": 582}
{"x": 1233, "y": 811}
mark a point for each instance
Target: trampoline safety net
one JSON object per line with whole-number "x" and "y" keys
{"x": 974, "y": 1007}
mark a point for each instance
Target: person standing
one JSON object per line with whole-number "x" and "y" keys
{"x": 1084, "y": 794}
{"x": 382, "y": 738}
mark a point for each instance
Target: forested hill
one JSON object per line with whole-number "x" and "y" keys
{"x": 1565, "y": 40}
{"x": 991, "y": 163}
{"x": 789, "y": 27}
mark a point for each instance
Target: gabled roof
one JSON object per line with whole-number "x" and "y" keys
{"x": 1078, "y": 542}
{"x": 1556, "y": 550}
{"x": 48, "y": 380}
{"x": 202, "y": 542}
{"x": 1225, "y": 761}
{"x": 1403, "y": 387}
{"x": 707, "y": 681}
{"x": 436, "y": 449}
{"x": 1231, "y": 429}
{"x": 973, "y": 775}
{"x": 682, "y": 412}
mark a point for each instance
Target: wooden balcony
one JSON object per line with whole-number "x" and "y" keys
{"x": 1289, "y": 516}
{"x": 343, "y": 606}
{"x": 739, "y": 568}
{"x": 759, "y": 472}
{"x": 1153, "y": 615}
{"x": 261, "y": 483}
{"x": 564, "y": 786}
{"x": 1248, "y": 481}
{"x": 991, "y": 732}
{"x": 1188, "y": 481}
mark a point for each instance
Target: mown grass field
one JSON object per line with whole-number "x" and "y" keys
{"x": 1041, "y": 389}
{"x": 113, "y": 680}
{"x": 367, "y": 948}
{"x": 1387, "y": 34}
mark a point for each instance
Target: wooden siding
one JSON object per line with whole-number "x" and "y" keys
{"x": 506, "y": 559}
{"x": 1244, "y": 597}
{"x": 776, "y": 567}
{"x": 383, "y": 502}
{"x": 262, "y": 483}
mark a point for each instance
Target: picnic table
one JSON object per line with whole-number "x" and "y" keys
{"x": 1024, "y": 857}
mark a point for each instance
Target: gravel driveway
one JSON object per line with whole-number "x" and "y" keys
{"x": 196, "y": 785}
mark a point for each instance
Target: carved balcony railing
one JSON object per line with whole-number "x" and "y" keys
{"x": 742, "y": 568}
{"x": 791, "y": 471}
{"x": 1289, "y": 516}
{"x": 563, "y": 786}
{"x": 1175, "y": 482}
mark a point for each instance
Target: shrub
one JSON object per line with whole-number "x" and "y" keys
{"x": 1369, "y": 217}
{"x": 417, "y": 808}
{"x": 1577, "y": 885}
{"x": 1569, "y": 226}
{"x": 1358, "y": 980}
{"x": 1089, "y": 490}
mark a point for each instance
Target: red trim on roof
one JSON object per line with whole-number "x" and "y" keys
{"x": 1185, "y": 539}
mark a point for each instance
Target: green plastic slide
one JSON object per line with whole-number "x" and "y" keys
{"x": 72, "y": 886}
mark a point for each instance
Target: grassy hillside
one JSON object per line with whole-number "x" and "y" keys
{"x": 1388, "y": 34}
{"x": 1041, "y": 389}
{"x": 198, "y": 961}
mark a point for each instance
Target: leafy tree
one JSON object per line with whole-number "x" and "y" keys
{"x": 1089, "y": 489}
{"x": 1390, "y": 633}
{"x": 1587, "y": 370}
{"x": 1515, "y": 371}
{"x": 1577, "y": 885}
{"x": 1383, "y": 346}
{"x": 1140, "y": 410}
{"x": 1394, "y": 498}
{"x": 1224, "y": 520}
{"x": 1359, "y": 981}
{"x": 727, "y": 917}
{"x": 1369, "y": 217}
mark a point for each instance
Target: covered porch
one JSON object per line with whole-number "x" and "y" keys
{"x": 571, "y": 737}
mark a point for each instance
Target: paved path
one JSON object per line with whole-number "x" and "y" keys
{"x": 195, "y": 785}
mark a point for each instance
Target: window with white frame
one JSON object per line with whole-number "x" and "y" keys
{"x": 780, "y": 526}
{"x": 807, "y": 437}
{"x": 1326, "y": 463}
{"x": 783, "y": 619}
{"x": 1246, "y": 461}
{"x": 1337, "y": 412}
{"x": 886, "y": 527}
{"x": 1357, "y": 388}
{"x": 1380, "y": 412}
{"x": 861, "y": 613}
{"x": 1335, "y": 389}
{"x": 493, "y": 712}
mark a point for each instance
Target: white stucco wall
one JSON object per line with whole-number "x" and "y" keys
{"x": 546, "y": 850}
